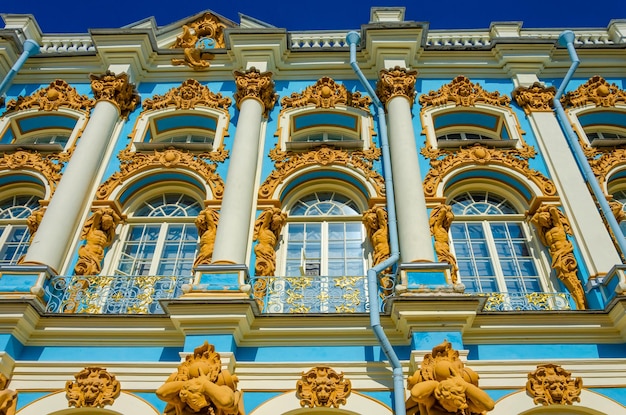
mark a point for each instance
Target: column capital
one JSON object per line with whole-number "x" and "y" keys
{"x": 258, "y": 85}
{"x": 116, "y": 89}
{"x": 535, "y": 98}
{"x": 396, "y": 82}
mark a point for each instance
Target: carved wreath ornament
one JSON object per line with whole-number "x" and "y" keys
{"x": 323, "y": 387}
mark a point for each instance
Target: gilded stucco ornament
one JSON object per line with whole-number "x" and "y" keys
{"x": 288, "y": 162}
{"x": 617, "y": 208}
{"x": 463, "y": 92}
{"x": 98, "y": 233}
{"x": 201, "y": 386}
{"x": 443, "y": 385}
{"x": 595, "y": 91}
{"x": 396, "y": 82}
{"x": 552, "y": 228}
{"x": 552, "y": 385}
{"x": 48, "y": 166}
{"x": 258, "y": 85}
{"x": 34, "y": 220}
{"x": 204, "y": 31}
{"x": 267, "y": 229}
{"x": 8, "y": 397}
{"x": 444, "y": 161}
{"x": 376, "y": 222}
{"x": 441, "y": 218}
{"x": 94, "y": 387}
{"x": 602, "y": 161}
{"x": 58, "y": 94}
{"x": 206, "y": 222}
{"x": 188, "y": 95}
{"x": 535, "y": 98}
{"x": 116, "y": 89}
{"x": 326, "y": 93}
{"x": 132, "y": 163}
{"x": 323, "y": 387}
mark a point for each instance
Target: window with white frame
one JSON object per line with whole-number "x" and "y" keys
{"x": 620, "y": 196}
{"x": 324, "y": 236}
{"x": 492, "y": 247}
{"x": 42, "y": 132}
{"x": 160, "y": 237}
{"x": 601, "y": 127}
{"x": 14, "y": 234}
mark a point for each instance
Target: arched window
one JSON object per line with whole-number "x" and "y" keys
{"x": 491, "y": 245}
{"x": 324, "y": 237}
{"x": 160, "y": 238}
{"x": 14, "y": 234}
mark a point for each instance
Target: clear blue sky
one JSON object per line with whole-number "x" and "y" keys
{"x": 77, "y": 16}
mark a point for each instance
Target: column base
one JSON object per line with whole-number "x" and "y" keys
{"x": 219, "y": 278}
{"x": 426, "y": 277}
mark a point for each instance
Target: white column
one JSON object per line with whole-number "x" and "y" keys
{"x": 233, "y": 230}
{"x": 60, "y": 221}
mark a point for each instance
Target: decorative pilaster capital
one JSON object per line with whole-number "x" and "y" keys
{"x": 258, "y": 85}
{"x": 116, "y": 89}
{"x": 396, "y": 82}
{"x": 535, "y": 98}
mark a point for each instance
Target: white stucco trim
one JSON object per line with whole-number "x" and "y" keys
{"x": 289, "y": 404}
{"x": 56, "y": 404}
{"x": 591, "y": 403}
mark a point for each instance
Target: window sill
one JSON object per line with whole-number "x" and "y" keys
{"x": 468, "y": 143}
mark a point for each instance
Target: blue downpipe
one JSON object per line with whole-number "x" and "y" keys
{"x": 31, "y": 48}
{"x": 567, "y": 39}
{"x": 353, "y": 39}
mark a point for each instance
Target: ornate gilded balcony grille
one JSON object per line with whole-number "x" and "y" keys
{"x": 111, "y": 294}
{"x": 526, "y": 301}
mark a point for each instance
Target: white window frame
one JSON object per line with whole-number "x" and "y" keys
{"x": 12, "y": 224}
{"x": 574, "y": 113}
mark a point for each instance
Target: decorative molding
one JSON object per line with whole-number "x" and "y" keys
{"x": 396, "y": 82}
{"x": 287, "y": 162}
{"x": 550, "y": 384}
{"x": 326, "y": 93}
{"x": 255, "y": 84}
{"x": 58, "y": 94}
{"x": 98, "y": 233}
{"x": 595, "y": 91}
{"x": 8, "y": 397}
{"x": 443, "y": 161}
{"x": 34, "y": 220}
{"x": 463, "y": 92}
{"x": 200, "y": 385}
{"x": 188, "y": 95}
{"x": 535, "y": 98}
{"x": 376, "y": 222}
{"x": 552, "y": 228}
{"x": 116, "y": 89}
{"x": 441, "y": 218}
{"x": 206, "y": 222}
{"x": 134, "y": 163}
{"x": 94, "y": 388}
{"x": 443, "y": 385}
{"x": 207, "y": 27}
{"x": 49, "y": 166}
{"x": 323, "y": 387}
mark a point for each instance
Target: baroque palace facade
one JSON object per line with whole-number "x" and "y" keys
{"x": 224, "y": 218}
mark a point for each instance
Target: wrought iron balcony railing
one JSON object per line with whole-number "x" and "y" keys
{"x": 526, "y": 301}
{"x": 111, "y": 294}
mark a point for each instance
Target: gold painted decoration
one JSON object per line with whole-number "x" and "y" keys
{"x": 535, "y": 98}
{"x": 396, "y": 82}
{"x": 188, "y": 95}
{"x": 596, "y": 91}
{"x": 94, "y": 387}
{"x": 444, "y": 161}
{"x": 267, "y": 229}
{"x": 463, "y": 92}
{"x": 443, "y": 385}
{"x": 8, "y": 397}
{"x": 201, "y": 386}
{"x": 603, "y": 161}
{"x": 116, "y": 89}
{"x": 552, "y": 228}
{"x": 258, "y": 85}
{"x": 206, "y": 222}
{"x": 98, "y": 233}
{"x": 34, "y": 220}
{"x": 377, "y": 226}
{"x": 58, "y": 94}
{"x": 323, "y": 387}
{"x": 617, "y": 208}
{"x": 288, "y": 162}
{"x": 48, "y": 166}
{"x": 441, "y": 218}
{"x": 550, "y": 384}
{"x": 207, "y": 30}
{"x": 326, "y": 93}
{"x": 134, "y": 163}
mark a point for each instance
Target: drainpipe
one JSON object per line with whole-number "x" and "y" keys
{"x": 353, "y": 39}
{"x": 31, "y": 48}
{"x": 567, "y": 39}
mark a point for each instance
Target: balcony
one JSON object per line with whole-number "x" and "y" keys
{"x": 527, "y": 301}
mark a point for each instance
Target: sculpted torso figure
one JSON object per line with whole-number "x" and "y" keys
{"x": 266, "y": 232}
{"x": 98, "y": 234}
